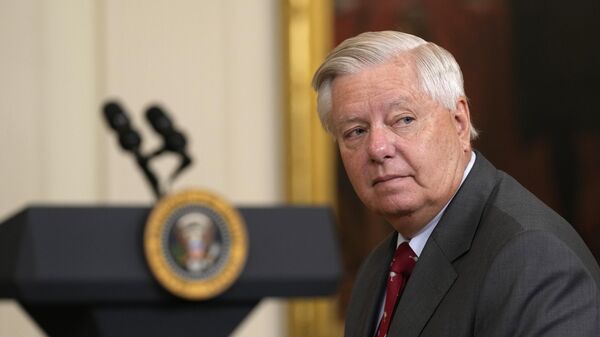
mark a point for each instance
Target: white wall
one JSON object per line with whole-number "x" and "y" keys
{"x": 212, "y": 64}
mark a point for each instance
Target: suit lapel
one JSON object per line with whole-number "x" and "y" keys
{"x": 434, "y": 274}
{"x": 432, "y": 277}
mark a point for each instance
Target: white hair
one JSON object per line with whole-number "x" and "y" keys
{"x": 439, "y": 73}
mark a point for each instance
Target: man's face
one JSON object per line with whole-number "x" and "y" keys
{"x": 404, "y": 153}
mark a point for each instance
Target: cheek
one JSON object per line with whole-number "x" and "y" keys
{"x": 354, "y": 166}
{"x": 349, "y": 163}
{"x": 428, "y": 157}
{"x": 442, "y": 160}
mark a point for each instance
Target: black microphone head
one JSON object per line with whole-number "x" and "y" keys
{"x": 130, "y": 140}
{"x": 159, "y": 120}
{"x": 175, "y": 142}
{"x": 116, "y": 117}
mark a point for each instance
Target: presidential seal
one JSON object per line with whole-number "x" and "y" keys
{"x": 195, "y": 244}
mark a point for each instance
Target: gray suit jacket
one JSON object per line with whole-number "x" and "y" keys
{"x": 500, "y": 263}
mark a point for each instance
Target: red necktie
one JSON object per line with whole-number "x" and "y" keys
{"x": 401, "y": 266}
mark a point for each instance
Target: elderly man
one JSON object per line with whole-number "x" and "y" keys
{"x": 474, "y": 253}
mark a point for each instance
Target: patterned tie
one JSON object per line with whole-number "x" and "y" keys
{"x": 401, "y": 266}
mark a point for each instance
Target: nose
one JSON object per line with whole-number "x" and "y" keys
{"x": 380, "y": 145}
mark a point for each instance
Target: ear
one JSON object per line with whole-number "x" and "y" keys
{"x": 461, "y": 117}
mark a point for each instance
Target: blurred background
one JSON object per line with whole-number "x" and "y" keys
{"x": 213, "y": 65}
{"x": 234, "y": 75}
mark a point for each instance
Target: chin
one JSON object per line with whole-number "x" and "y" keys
{"x": 393, "y": 208}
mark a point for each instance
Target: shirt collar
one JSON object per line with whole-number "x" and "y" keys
{"x": 417, "y": 243}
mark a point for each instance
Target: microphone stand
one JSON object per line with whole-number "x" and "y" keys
{"x": 142, "y": 162}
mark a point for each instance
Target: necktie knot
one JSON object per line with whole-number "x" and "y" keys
{"x": 404, "y": 260}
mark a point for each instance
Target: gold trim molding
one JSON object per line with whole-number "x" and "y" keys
{"x": 309, "y": 157}
{"x": 308, "y": 149}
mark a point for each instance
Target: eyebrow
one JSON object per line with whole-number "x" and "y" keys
{"x": 349, "y": 120}
{"x": 400, "y": 102}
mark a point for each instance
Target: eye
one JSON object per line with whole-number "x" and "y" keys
{"x": 355, "y": 132}
{"x": 401, "y": 122}
{"x": 406, "y": 120}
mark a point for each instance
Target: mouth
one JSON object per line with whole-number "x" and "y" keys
{"x": 386, "y": 178}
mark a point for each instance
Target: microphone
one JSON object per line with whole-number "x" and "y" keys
{"x": 130, "y": 141}
{"x": 173, "y": 140}
{"x": 159, "y": 120}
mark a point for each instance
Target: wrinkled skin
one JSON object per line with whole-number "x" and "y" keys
{"x": 404, "y": 153}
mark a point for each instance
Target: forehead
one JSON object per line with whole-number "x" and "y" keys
{"x": 392, "y": 82}
{"x": 401, "y": 67}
